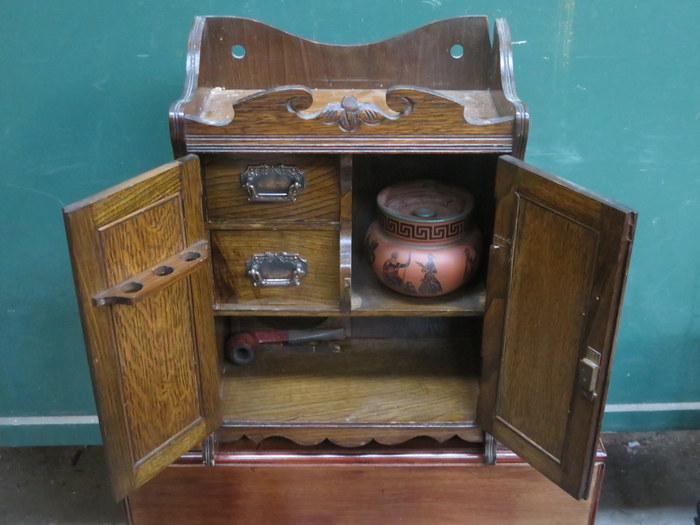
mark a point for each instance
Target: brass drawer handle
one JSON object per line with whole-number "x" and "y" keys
{"x": 272, "y": 183}
{"x": 276, "y": 269}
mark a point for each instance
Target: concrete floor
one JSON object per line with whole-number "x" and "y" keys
{"x": 651, "y": 478}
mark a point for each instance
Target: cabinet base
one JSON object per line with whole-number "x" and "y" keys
{"x": 412, "y": 489}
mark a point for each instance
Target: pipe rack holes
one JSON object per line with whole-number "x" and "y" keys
{"x": 132, "y": 287}
{"x": 163, "y": 270}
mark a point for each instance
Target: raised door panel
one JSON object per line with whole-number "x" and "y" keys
{"x": 556, "y": 277}
{"x": 142, "y": 273}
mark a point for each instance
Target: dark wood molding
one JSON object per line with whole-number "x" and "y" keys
{"x": 176, "y": 113}
{"x": 504, "y": 86}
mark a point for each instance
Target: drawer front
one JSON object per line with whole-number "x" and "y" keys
{"x": 277, "y": 188}
{"x": 317, "y": 276}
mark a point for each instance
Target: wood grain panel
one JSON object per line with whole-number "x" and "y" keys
{"x": 445, "y": 490}
{"x": 227, "y": 201}
{"x": 160, "y": 388}
{"x": 553, "y": 253}
{"x": 318, "y": 289}
{"x": 163, "y": 321}
{"x": 136, "y": 194}
{"x": 127, "y": 242}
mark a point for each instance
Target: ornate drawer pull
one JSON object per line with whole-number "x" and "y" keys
{"x": 272, "y": 183}
{"x": 276, "y": 269}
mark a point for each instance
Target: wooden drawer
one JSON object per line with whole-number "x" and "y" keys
{"x": 227, "y": 200}
{"x": 235, "y": 289}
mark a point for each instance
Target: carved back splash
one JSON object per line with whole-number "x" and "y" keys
{"x": 275, "y": 58}
{"x": 251, "y": 87}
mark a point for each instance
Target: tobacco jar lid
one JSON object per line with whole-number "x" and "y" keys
{"x": 425, "y": 201}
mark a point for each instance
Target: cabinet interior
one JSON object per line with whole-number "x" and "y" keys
{"x": 407, "y": 367}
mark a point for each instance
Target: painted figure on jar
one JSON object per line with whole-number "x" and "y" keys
{"x": 429, "y": 284}
{"x": 390, "y": 270}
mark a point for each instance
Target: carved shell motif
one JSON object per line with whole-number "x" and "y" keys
{"x": 349, "y": 113}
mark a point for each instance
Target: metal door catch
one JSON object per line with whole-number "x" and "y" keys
{"x": 588, "y": 370}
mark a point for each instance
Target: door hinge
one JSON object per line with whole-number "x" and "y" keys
{"x": 630, "y": 231}
{"x": 209, "y": 451}
{"x": 490, "y": 452}
{"x": 588, "y": 371}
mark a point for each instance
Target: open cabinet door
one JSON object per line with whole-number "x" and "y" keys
{"x": 143, "y": 278}
{"x": 556, "y": 276}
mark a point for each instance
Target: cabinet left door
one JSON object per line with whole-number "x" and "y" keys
{"x": 144, "y": 284}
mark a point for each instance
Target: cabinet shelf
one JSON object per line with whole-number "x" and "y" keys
{"x": 387, "y": 390}
{"x": 371, "y": 297}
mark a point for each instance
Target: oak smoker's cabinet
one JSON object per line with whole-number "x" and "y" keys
{"x": 284, "y": 145}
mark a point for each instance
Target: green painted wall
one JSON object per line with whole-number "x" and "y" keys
{"x": 613, "y": 92}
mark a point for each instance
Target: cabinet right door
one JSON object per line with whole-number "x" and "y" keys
{"x": 557, "y": 269}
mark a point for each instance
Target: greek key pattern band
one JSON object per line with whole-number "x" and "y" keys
{"x": 422, "y": 232}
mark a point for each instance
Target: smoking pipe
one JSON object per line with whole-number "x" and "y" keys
{"x": 240, "y": 347}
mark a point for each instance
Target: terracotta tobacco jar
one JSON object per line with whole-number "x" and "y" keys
{"x": 423, "y": 242}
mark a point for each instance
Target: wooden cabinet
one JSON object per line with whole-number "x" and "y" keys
{"x": 283, "y": 145}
